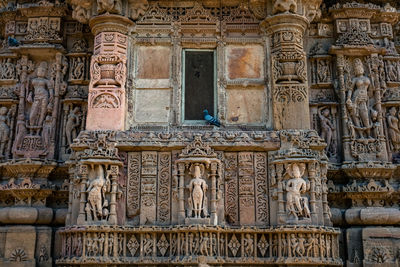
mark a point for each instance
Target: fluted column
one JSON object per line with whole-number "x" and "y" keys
{"x": 106, "y": 103}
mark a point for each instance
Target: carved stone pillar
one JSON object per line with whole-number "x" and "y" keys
{"x": 106, "y": 103}
{"x": 286, "y": 27}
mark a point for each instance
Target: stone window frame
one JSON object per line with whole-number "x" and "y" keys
{"x": 182, "y": 93}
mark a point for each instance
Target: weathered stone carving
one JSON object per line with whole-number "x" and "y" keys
{"x": 149, "y": 206}
{"x": 393, "y": 128}
{"x": 296, "y": 204}
{"x": 7, "y": 117}
{"x": 358, "y": 101}
{"x": 327, "y": 130}
{"x": 72, "y": 125}
{"x": 197, "y": 193}
{"x": 320, "y": 243}
{"x": 7, "y": 69}
{"x": 97, "y": 205}
{"x": 137, "y": 8}
{"x": 39, "y": 100}
{"x": 109, "y": 6}
{"x": 82, "y": 10}
{"x": 133, "y": 184}
{"x": 281, "y": 6}
{"x": 198, "y": 158}
{"x": 43, "y": 29}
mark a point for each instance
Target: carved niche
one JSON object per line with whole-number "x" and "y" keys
{"x": 98, "y": 175}
{"x": 363, "y": 107}
{"x": 39, "y": 98}
{"x": 199, "y": 172}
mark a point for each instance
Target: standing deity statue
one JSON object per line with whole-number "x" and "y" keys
{"x": 296, "y": 205}
{"x": 78, "y": 69}
{"x": 47, "y": 130}
{"x": 96, "y": 194}
{"x": 357, "y": 100}
{"x": 197, "y": 193}
{"x": 323, "y": 71}
{"x": 4, "y": 129}
{"x": 327, "y": 129}
{"x": 393, "y": 128}
{"x": 41, "y": 97}
{"x": 73, "y": 121}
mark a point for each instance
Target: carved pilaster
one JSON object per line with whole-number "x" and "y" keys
{"x": 286, "y": 28}
{"x": 106, "y": 103}
{"x": 148, "y": 194}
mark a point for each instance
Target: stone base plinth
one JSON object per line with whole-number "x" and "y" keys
{"x": 191, "y": 245}
{"x": 199, "y": 221}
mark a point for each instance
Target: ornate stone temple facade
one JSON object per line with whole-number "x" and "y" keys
{"x": 105, "y": 158}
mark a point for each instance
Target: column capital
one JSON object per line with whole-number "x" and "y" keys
{"x": 110, "y": 23}
{"x": 285, "y": 20}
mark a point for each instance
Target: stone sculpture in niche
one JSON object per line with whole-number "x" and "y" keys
{"x": 6, "y": 116}
{"x": 327, "y": 129}
{"x": 41, "y": 98}
{"x": 96, "y": 207}
{"x": 393, "y": 128}
{"x": 357, "y": 101}
{"x": 78, "y": 68}
{"x": 197, "y": 193}
{"x": 71, "y": 127}
{"x": 296, "y": 204}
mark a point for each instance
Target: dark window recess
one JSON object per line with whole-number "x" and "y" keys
{"x": 199, "y": 84}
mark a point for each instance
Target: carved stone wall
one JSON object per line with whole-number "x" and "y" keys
{"x": 98, "y": 166}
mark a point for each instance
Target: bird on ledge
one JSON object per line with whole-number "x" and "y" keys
{"x": 210, "y": 119}
{"x": 12, "y": 41}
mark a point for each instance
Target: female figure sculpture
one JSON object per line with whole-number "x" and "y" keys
{"x": 197, "y": 193}
{"x": 40, "y": 99}
{"x": 96, "y": 193}
{"x": 393, "y": 128}
{"x": 327, "y": 127}
{"x": 4, "y": 129}
{"x": 297, "y": 205}
{"x": 73, "y": 121}
{"x": 357, "y": 101}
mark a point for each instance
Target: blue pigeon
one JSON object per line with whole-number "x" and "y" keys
{"x": 12, "y": 41}
{"x": 210, "y": 119}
